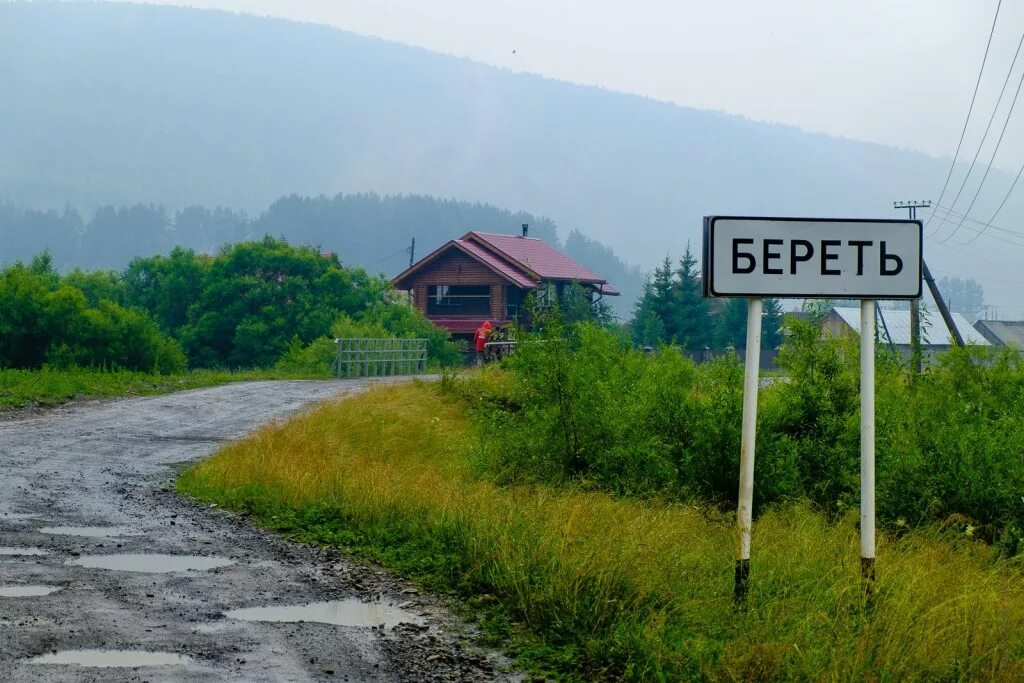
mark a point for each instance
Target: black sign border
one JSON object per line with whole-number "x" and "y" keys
{"x": 708, "y": 256}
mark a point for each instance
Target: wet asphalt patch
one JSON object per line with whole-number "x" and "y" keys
{"x": 112, "y": 658}
{"x": 151, "y": 563}
{"x": 27, "y": 591}
{"x": 351, "y": 612}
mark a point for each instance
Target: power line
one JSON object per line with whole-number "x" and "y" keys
{"x": 988, "y": 126}
{"x": 988, "y": 168}
{"x": 970, "y": 109}
{"x": 956, "y": 214}
{"x": 1000, "y": 207}
{"x": 403, "y": 250}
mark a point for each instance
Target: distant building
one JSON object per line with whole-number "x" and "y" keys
{"x": 1002, "y": 332}
{"x": 486, "y": 276}
{"x": 893, "y": 328}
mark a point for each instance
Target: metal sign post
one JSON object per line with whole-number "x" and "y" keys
{"x": 745, "y": 509}
{"x": 819, "y": 259}
{"x": 867, "y": 443}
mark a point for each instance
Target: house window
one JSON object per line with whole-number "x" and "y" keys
{"x": 474, "y": 300}
{"x": 513, "y": 302}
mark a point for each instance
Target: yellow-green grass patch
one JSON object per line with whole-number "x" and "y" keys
{"x": 603, "y": 587}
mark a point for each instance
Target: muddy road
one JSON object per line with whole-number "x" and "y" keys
{"x": 101, "y": 563}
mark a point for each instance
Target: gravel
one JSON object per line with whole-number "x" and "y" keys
{"x": 112, "y": 463}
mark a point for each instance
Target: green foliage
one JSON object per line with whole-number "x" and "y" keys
{"x": 256, "y": 296}
{"x": 166, "y": 286}
{"x": 253, "y": 304}
{"x": 576, "y": 404}
{"x": 395, "y": 320}
{"x": 672, "y": 309}
{"x": 44, "y": 321}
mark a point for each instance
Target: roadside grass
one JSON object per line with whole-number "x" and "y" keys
{"x": 48, "y": 387}
{"x": 583, "y": 585}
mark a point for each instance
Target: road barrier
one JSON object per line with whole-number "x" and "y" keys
{"x": 380, "y": 357}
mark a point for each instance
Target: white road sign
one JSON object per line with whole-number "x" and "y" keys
{"x": 812, "y": 258}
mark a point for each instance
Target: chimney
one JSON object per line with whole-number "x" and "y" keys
{"x": 526, "y": 229}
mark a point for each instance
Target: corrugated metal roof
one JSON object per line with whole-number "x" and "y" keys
{"x": 497, "y": 263}
{"x": 897, "y": 322}
{"x": 538, "y": 256}
{"x": 1008, "y": 332}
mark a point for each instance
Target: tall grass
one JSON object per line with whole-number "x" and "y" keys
{"x": 607, "y": 587}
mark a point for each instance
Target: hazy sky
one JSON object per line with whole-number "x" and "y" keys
{"x": 899, "y": 72}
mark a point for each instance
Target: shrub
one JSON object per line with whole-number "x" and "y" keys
{"x": 575, "y": 404}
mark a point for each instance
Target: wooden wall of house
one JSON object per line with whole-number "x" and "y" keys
{"x": 456, "y": 268}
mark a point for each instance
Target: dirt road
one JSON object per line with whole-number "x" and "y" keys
{"x": 111, "y": 465}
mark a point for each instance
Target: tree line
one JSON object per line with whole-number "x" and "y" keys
{"x": 673, "y": 309}
{"x": 244, "y": 307}
{"x": 367, "y": 230}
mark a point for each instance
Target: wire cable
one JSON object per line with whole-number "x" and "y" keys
{"x": 988, "y": 168}
{"x": 956, "y": 214}
{"x": 999, "y": 208}
{"x": 988, "y": 126}
{"x": 970, "y": 108}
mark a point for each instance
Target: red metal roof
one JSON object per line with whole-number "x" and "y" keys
{"x": 499, "y": 264}
{"x": 524, "y": 261}
{"x": 535, "y": 255}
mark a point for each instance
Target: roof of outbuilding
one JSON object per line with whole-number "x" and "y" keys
{"x": 897, "y": 323}
{"x": 1006, "y": 332}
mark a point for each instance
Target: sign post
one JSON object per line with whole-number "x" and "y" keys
{"x": 745, "y": 509}
{"x": 867, "y": 444}
{"x": 800, "y": 258}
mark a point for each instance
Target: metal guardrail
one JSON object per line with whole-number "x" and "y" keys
{"x": 380, "y": 357}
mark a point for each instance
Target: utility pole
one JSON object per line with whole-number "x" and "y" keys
{"x": 412, "y": 252}
{"x": 915, "y": 304}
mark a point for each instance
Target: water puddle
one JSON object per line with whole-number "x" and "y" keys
{"x": 16, "y": 516}
{"x": 23, "y": 551}
{"x": 27, "y": 591}
{"x": 112, "y": 658}
{"x": 351, "y": 612}
{"x": 87, "y": 531}
{"x": 151, "y": 564}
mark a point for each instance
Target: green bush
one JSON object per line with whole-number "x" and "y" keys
{"x": 575, "y": 404}
{"x": 44, "y": 322}
{"x": 386, "y": 321}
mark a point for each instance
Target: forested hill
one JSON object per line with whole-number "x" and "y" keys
{"x": 364, "y": 230}
{"x": 117, "y": 104}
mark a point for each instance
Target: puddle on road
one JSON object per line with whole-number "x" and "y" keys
{"x": 23, "y": 551}
{"x": 351, "y": 612}
{"x": 27, "y": 591}
{"x": 151, "y": 564}
{"x": 87, "y": 531}
{"x": 112, "y": 658}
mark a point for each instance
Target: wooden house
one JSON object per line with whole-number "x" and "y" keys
{"x": 486, "y": 276}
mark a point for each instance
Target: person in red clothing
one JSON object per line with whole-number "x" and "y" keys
{"x": 483, "y": 333}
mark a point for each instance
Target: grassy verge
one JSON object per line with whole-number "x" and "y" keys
{"x": 585, "y": 585}
{"x": 21, "y": 388}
